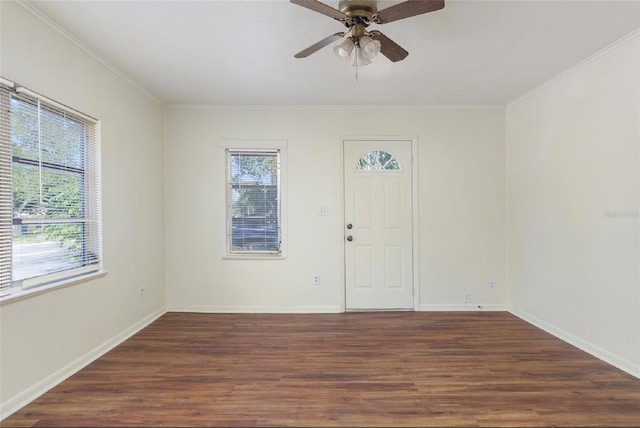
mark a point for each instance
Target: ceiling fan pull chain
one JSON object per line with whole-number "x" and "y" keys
{"x": 356, "y": 62}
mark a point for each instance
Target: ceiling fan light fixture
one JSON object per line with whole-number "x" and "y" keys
{"x": 369, "y": 47}
{"x": 357, "y": 15}
{"x": 344, "y": 49}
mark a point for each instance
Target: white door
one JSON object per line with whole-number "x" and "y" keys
{"x": 378, "y": 224}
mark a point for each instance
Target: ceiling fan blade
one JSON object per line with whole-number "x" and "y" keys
{"x": 389, "y": 48}
{"x": 322, "y": 8}
{"x": 407, "y": 9}
{"x": 317, "y": 46}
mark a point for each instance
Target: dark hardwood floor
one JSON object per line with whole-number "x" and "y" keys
{"x": 354, "y": 369}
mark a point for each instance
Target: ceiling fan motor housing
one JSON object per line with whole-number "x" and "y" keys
{"x": 365, "y": 10}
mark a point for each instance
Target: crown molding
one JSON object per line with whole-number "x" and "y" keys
{"x": 48, "y": 21}
{"x": 330, "y": 107}
{"x": 635, "y": 33}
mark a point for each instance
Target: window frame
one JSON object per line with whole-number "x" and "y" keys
{"x": 255, "y": 146}
{"x": 90, "y": 264}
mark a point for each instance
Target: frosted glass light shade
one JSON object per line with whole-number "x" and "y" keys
{"x": 369, "y": 47}
{"x": 360, "y": 60}
{"x": 343, "y": 50}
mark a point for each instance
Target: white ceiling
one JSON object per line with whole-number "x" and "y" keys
{"x": 239, "y": 52}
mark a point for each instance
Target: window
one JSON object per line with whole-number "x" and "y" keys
{"x": 253, "y": 202}
{"x": 377, "y": 160}
{"x": 49, "y": 201}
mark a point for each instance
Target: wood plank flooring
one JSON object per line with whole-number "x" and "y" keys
{"x": 353, "y": 369}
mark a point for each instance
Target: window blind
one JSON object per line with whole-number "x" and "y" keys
{"x": 53, "y": 168}
{"x": 5, "y": 187}
{"x": 253, "y": 201}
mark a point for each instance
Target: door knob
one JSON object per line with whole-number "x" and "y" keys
{"x": 349, "y": 238}
{"x": 349, "y": 226}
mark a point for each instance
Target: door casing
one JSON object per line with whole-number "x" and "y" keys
{"x": 414, "y": 214}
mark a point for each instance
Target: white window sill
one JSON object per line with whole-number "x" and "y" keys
{"x": 253, "y": 257}
{"x": 17, "y": 294}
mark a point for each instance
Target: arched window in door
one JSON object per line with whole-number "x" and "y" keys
{"x": 378, "y": 160}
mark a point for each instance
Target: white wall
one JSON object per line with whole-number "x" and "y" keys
{"x": 46, "y": 337}
{"x": 573, "y": 197}
{"x": 461, "y": 206}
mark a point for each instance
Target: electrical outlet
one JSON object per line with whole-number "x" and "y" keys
{"x": 141, "y": 293}
{"x": 315, "y": 279}
{"x": 467, "y": 297}
{"x": 492, "y": 282}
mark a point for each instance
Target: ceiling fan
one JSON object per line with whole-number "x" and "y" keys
{"x": 357, "y": 15}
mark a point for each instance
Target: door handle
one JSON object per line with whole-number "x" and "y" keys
{"x": 349, "y": 238}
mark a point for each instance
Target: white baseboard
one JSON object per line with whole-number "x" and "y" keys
{"x": 468, "y": 307}
{"x": 25, "y": 397}
{"x": 602, "y": 354}
{"x": 242, "y": 309}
